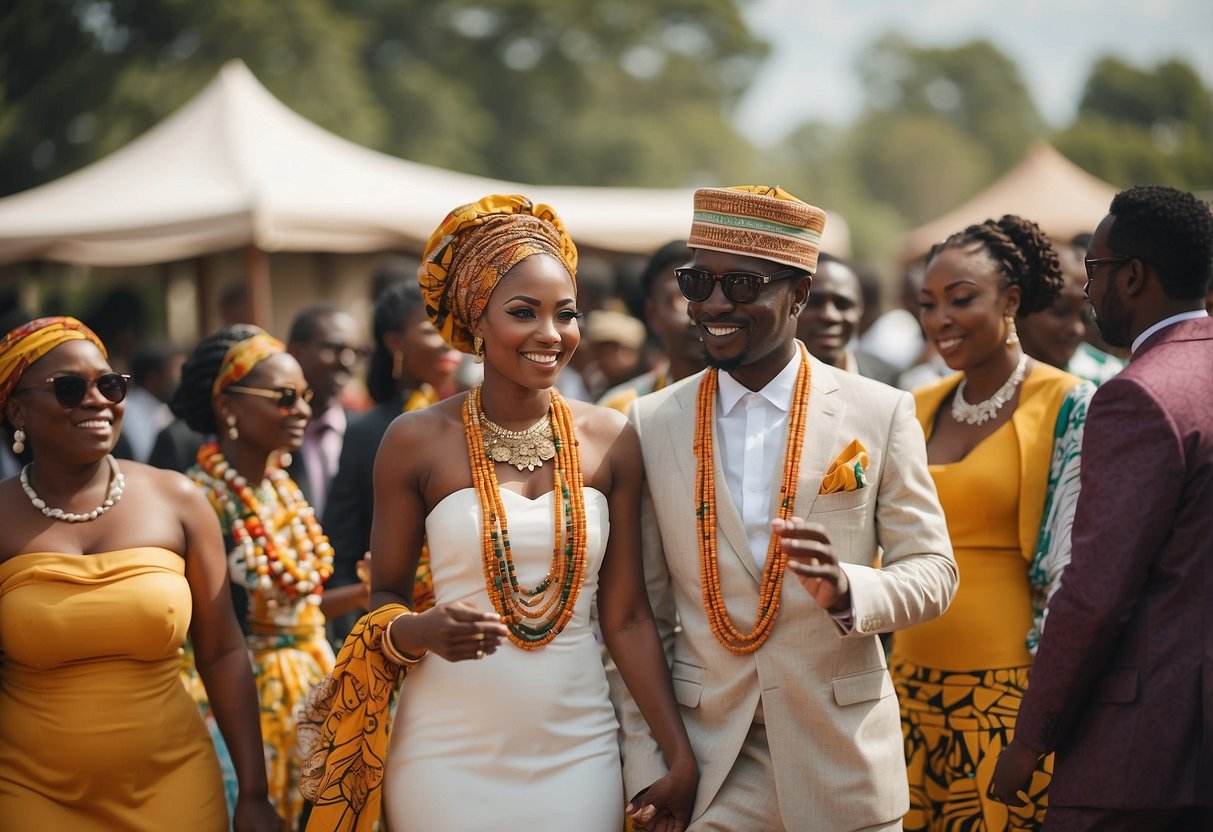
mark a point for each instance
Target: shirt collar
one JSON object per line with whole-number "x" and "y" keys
{"x": 333, "y": 418}
{"x": 1166, "y": 322}
{"x": 778, "y": 391}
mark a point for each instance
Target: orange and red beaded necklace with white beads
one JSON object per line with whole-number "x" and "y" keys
{"x": 534, "y": 616}
{"x": 734, "y": 640}
{"x": 283, "y": 545}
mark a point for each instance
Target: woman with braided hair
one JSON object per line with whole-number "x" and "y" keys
{"x": 1003, "y": 441}
{"x": 242, "y": 386}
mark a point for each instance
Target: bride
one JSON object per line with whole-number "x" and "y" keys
{"x": 530, "y": 508}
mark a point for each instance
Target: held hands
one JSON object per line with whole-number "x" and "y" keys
{"x": 812, "y": 560}
{"x": 1013, "y": 774}
{"x": 666, "y": 805}
{"x": 456, "y": 631}
{"x": 256, "y": 815}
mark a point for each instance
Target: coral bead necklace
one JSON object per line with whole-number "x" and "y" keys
{"x": 734, "y": 640}
{"x": 536, "y": 615}
{"x": 284, "y": 547}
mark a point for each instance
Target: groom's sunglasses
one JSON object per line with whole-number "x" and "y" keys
{"x": 70, "y": 390}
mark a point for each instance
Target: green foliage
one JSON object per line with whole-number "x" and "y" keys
{"x": 1171, "y": 91}
{"x": 551, "y": 91}
{"x": 593, "y": 92}
{"x": 544, "y": 91}
{"x": 1126, "y": 154}
{"x": 84, "y": 78}
{"x": 922, "y": 165}
{"x": 1138, "y": 126}
{"x": 974, "y": 86}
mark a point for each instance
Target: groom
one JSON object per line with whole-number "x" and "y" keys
{"x": 771, "y": 456}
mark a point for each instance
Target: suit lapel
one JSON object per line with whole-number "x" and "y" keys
{"x": 821, "y": 442}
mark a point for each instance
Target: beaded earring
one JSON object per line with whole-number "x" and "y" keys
{"x": 18, "y": 440}
{"x": 478, "y": 349}
{"x": 232, "y": 432}
{"x": 1012, "y": 332}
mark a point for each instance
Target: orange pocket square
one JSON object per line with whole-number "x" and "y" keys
{"x": 848, "y": 471}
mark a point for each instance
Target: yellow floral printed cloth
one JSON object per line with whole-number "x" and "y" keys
{"x": 344, "y": 729}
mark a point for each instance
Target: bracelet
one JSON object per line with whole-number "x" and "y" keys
{"x": 390, "y": 651}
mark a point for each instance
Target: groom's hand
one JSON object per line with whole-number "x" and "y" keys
{"x": 812, "y": 560}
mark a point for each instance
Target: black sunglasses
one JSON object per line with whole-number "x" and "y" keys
{"x": 286, "y": 396}
{"x": 70, "y": 390}
{"x": 696, "y": 285}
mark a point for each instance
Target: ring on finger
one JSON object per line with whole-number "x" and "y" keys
{"x": 480, "y": 654}
{"x": 479, "y": 636}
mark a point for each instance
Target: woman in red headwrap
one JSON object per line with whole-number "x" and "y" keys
{"x": 103, "y": 569}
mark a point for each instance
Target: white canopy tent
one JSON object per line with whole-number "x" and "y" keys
{"x": 236, "y": 168}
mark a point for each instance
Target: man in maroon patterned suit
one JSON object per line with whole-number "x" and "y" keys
{"x": 1122, "y": 687}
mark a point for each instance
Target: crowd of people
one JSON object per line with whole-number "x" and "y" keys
{"x": 758, "y": 585}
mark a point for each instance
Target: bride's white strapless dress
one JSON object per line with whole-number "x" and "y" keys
{"x": 522, "y": 739}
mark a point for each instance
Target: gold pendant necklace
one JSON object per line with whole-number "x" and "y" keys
{"x": 521, "y": 448}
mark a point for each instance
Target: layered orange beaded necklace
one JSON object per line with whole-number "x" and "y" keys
{"x": 536, "y": 615}
{"x": 288, "y": 551}
{"x": 734, "y": 640}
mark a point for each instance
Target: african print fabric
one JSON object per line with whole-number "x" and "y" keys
{"x": 955, "y": 725}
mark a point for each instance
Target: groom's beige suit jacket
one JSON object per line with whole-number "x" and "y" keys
{"x": 827, "y": 700}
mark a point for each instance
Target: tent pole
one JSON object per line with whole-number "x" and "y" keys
{"x": 204, "y": 293}
{"x": 257, "y": 284}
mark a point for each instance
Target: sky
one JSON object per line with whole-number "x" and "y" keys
{"x": 815, "y": 45}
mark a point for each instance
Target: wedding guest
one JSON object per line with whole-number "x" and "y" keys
{"x": 104, "y": 567}
{"x": 1003, "y": 442}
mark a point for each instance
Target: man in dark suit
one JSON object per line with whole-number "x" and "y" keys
{"x": 1122, "y": 687}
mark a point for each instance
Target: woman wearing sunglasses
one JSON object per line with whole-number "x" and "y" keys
{"x": 1003, "y": 442}
{"x": 242, "y": 386}
{"x": 103, "y": 569}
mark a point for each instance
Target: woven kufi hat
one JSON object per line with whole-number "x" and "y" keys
{"x": 758, "y": 221}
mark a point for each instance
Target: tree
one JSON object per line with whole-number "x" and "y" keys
{"x": 1138, "y": 126}
{"x": 974, "y": 86}
{"x": 557, "y": 91}
{"x": 1170, "y": 92}
{"x": 85, "y": 78}
{"x": 545, "y": 91}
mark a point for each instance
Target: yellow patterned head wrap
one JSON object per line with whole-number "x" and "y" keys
{"x": 473, "y": 249}
{"x": 242, "y": 356}
{"x": 30, "y": 341}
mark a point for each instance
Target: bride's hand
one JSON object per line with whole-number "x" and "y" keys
{"x": 666, "y": 805}
{"x": 456, "y": 631}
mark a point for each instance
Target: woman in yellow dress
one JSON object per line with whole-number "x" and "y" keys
{"x": 1003, "y": 440}
{"x": 242, "y": 385}
{"x": 103, "y": 569}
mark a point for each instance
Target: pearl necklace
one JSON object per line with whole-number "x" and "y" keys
{"x": 117, "y": 485}
{"x": 982, "y": 412}
{"x": 286, "y": 551}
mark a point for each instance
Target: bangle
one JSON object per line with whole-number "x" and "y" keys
{"x": 391, "y": 652}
